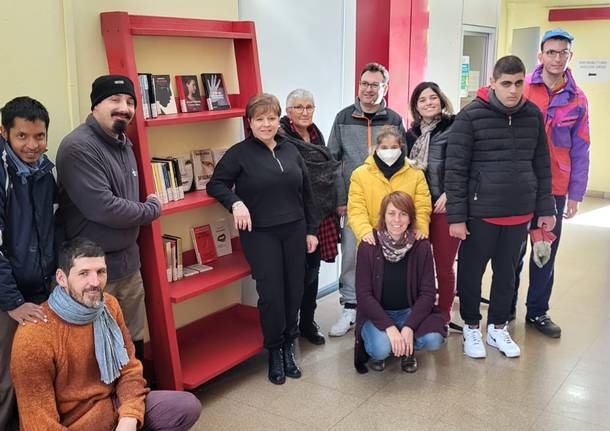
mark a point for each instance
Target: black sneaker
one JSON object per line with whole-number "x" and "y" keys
{"x": 545, "y": 325}
{"x": 378, "y": 365}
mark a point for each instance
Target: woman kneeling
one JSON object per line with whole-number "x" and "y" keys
{"x": 395, "y": 291}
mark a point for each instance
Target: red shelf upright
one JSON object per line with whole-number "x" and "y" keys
{"x": 191, "y": 355}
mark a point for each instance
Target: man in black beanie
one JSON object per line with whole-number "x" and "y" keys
{"x": 99, "y": 196}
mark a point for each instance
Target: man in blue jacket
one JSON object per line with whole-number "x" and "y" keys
{"x": 27, "y": 253}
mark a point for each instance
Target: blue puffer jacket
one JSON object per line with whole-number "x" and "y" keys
{"x": 27, "y": 258}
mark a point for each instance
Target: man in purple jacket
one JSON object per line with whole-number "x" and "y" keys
{"x": 99, "y": 195}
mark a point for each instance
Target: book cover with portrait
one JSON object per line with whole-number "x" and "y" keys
{"x": 215, "y": 91}
{"x": 188, "y": 93}
{"x": 166, "y": 104}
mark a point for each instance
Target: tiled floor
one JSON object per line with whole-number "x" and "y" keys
{"x": 555, "y": 385}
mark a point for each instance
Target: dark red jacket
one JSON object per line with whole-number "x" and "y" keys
{"x": 420, "y": 284}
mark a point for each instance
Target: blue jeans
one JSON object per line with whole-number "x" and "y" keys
{"x": 377, "y": 343}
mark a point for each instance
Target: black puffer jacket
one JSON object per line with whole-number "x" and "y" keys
{"x": 497, "y": 165}
{"x": 435, "y": 173}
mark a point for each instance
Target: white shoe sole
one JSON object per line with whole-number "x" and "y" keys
{"x": 481, "y": 355}
{"x": 492, "y": 343}
{"x": 341, "y": 333}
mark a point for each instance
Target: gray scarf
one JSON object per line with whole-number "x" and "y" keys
{"x": 393, "y": 250}
{"x": 24, "y": 170}
{"x": 110, "y": 350}
{"x": 418, "y": 157}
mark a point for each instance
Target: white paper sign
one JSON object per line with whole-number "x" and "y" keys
{"x": 591, "y": 71}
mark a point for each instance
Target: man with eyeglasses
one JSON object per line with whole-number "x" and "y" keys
{"x": 552, "y": 88}
{"x": 351, "y": 140}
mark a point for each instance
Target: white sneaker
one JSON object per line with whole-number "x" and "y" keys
{"x": 346, "y": 321}
{"x": 500, "y": 339}
{"x": 473, "y": 342}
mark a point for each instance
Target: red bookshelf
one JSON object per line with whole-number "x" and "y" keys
{"x": 189, "y": 356}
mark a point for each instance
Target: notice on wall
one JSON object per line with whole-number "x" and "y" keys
{"x": 465, "y": 69}
{"x": 591, "y": 71}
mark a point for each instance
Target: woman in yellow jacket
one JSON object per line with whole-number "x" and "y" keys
{"x": 383, "y": 172}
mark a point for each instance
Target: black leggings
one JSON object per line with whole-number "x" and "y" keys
{"x": 277, "y": 258}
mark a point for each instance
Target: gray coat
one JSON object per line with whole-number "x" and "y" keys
{"x": 352, "y": 138}
{"x": 99, "y": 195}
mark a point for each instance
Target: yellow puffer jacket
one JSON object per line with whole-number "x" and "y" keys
{"x": 368, "y": 187}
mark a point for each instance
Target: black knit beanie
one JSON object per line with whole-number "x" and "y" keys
{"x": 108, "y": 85}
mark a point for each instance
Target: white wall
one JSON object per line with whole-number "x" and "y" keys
{"x": 445, "y": 36}
{"x": 309, "y": 45}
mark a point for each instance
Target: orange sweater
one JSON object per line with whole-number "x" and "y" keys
{"x": 57, "y": 379}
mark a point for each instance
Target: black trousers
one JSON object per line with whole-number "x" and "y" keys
{"x": 501, "y": 244}
{"x": 310, "y": 293}
{"x": 277, "y": 258}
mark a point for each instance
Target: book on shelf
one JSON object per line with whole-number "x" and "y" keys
{"x": 203, "y": 167}
{"x": 159, "y": 180}
{"x": 185, "y": 167}
{"x": 166, "y": 104}
{"x": 188, "y": 93}
{"x": 217, "y": 153}
{"x": 222, "y": 237}
{"x": 177, "y": 265}
{"x": 145, "y": 100}
{"x": 172, "y": 167}
{"x": 203, "y": 244}
{"x": 148, "y": 95}
{"x": 195, "y": 269}
{"x": 215, "y": 91}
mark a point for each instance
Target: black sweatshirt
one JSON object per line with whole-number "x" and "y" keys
{"x": 273, "y": 184}
{"x": 394, "y": 293}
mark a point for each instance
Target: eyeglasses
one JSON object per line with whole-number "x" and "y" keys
{"x": 372, "y": 85}
{"x": 564, "y": 53}
{"x": 300, "y": 108}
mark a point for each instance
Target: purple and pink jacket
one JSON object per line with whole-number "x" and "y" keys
{"x": 566, "y": 119}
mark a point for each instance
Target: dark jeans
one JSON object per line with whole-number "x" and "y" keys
{"x": 541, "y": 279}
{"x": 170, "y": 411}
{"x": 277, "y": 258}
{"x": 310, "y": 293}
{"x": 501, "y": 244}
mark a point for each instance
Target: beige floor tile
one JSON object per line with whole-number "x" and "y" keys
{"x": 225, "y": 414}
{"x": 474, "y": 410}
{"x": 581, "y": 403}
{"x": 380, "y": 417}
{"x": 553, "y": 422}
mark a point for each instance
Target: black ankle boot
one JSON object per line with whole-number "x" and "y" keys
{"x": 290, "y": 365}
{"x": 276, "y": 366}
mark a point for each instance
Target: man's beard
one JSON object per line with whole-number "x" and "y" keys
{"x": 86, "y": 300}
{"x": 119, "y": 126}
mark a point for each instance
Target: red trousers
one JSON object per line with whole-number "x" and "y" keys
{"x": 444, "y": 249}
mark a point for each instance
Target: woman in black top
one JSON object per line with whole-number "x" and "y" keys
{"x": 272, "y": 208}
{"x": 299, "y": 127}
{"x": 426, "y": 142}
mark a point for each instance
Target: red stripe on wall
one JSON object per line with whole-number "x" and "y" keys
{"x": 579, "y": 14}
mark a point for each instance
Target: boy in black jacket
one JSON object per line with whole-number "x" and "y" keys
{"x": 27, "y": 253}
{"x": 498, "y": 176}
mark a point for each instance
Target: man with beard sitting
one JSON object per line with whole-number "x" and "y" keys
{"x": 99, "y": 196}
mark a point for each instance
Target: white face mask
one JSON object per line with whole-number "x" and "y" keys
{"x": 389, "y": 156}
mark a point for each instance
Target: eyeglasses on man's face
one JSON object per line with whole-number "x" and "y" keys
{"x": 372, "y": 85}
{"x": 551, "y": 53}
{"x": 300, "y": 108}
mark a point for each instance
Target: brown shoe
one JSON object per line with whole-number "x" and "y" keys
{"x": 409, "y": 363}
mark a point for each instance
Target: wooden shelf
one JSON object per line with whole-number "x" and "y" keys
{"x": 217, "y": 342}
{"x": 226, "y": 270}
{"x": 188, "y": 27}
{"x": 196, "y": 199}
{"x": 194, "y": 117}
